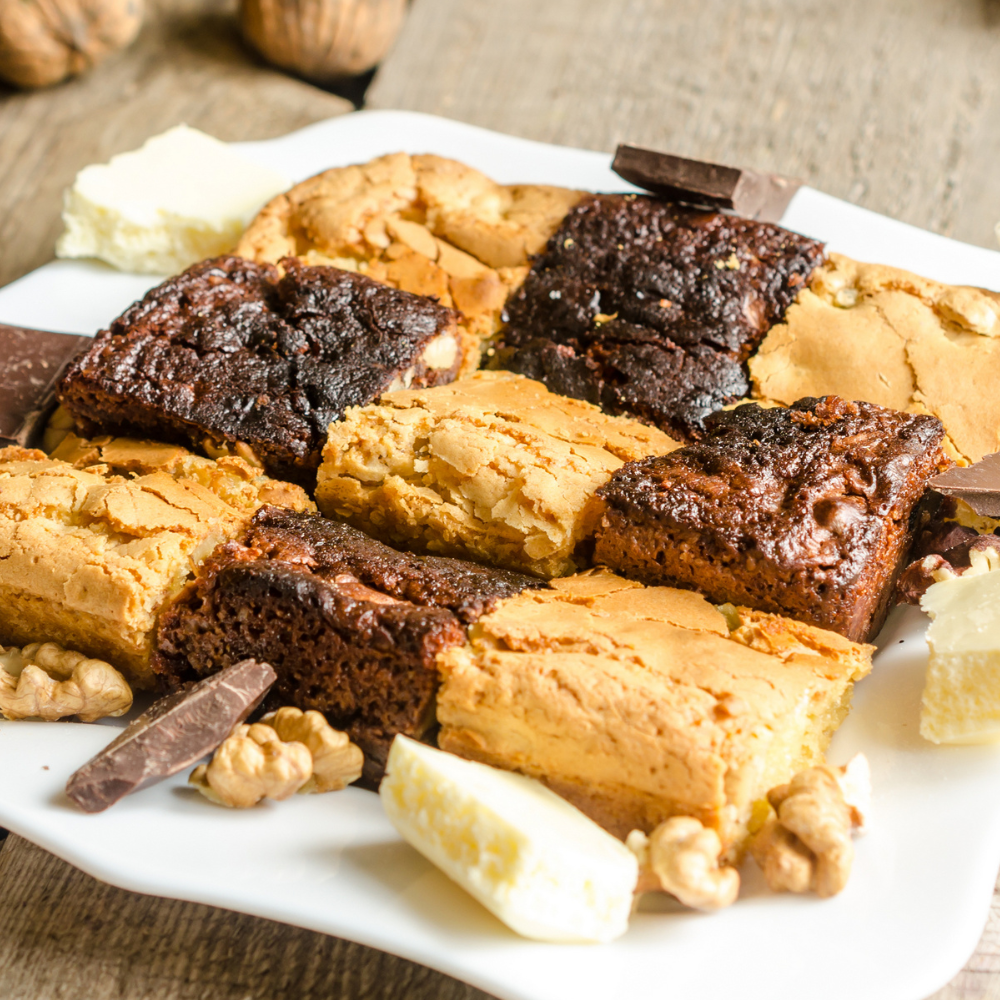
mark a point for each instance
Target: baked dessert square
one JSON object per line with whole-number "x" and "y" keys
{"x": 877, "y": 333}
{"x": 234, "y": 357}
{"x": 424, "y": 224}
{"x": 351, "y": 626}
{"x": 806, "y": 511}
{"x": 640, "y": 703}
{"x": 648, "y": 308}
{"x": 89, "y": 557}
{"x": 493, "y": 468}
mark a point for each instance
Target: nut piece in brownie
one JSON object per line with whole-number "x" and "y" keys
{"x": 232, "y": 356}
{"x": 806, "y": 511}
{"x": 641, "y": 703}
{"x": 652, "y": 309}
{"x": 951, "y": 540}
{"x": 351, "y": 626}
{"x": 88, "y": 558}
{"x": 492, "y": 467}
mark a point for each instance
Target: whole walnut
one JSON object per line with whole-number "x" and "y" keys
{"x": 322, "y": 40}
{"x": 45, "y": 41}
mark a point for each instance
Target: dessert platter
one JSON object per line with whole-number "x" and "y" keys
{"x": 439, "y": 459}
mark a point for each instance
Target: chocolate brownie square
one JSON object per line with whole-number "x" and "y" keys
{"x": 806, "y": 511}
{"x": 651, "y": 309}
{"x": 351, "y": 626}
{"x": 234, "y": 357}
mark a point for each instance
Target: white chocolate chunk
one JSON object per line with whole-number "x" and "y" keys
{"x": 182, "y": 197}
{"x": 532, "y": 859}
{"x": 961, "y": 702}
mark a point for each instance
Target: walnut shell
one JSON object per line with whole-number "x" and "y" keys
{"x": 45, "y": 41}
{"x": 322, "y": 40}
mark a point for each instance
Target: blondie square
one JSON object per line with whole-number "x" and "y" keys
{"x": 351, "y": 626}
{"x": 806, "y": 511}
{"x": 640, "y": 703}
{"x": 493, "y": 468}
{"x": 233, "y": 357}
{"x": 651, "y": 309}
{"x": 871, "y": 332}
{"x": 88, "y": 557}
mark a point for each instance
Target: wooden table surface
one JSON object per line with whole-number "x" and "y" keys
{"x": 893, "y": 104}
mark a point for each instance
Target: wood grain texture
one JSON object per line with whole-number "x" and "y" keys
{"x": 188, "y": 65}
{"x": 892, "y": 104}
{"x": 65, "y": 935}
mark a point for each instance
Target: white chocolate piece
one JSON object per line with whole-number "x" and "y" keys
{"x": 532, "y": 859}
{"x": 961, "y": 702}
{"x": 182, "y": 197}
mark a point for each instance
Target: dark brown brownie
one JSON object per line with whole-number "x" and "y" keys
{"x": 351, "y": 626}
{"x": 651, "y": 309}
{"x": 231, "y": 351}
{"x": 806, "y": 511}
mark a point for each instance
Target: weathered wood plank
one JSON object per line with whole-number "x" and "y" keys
{"x": 66, "y": 935}
{"x": 188, "y": 65}
{"x": 893, "y": 105}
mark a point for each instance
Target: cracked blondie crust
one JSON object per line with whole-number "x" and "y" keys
{"x": 231, "y": 356}
{"x": 871, "y": 332}
{"x": 493, "y": 467}
{"x": 806, "y": 511}
{"x": 351, "y": 626}
{"x": 638, "y": 703}
{"x": 424, "y": 224}
{"x": 651, "y": 309}
{"x": 88, "y": 558}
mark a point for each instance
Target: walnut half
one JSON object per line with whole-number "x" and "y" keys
{"x": 807, "y": 844}
{"x": 286, "y": 752}
{"x": 682, "y": 857}
{"x": 45, "y": 681}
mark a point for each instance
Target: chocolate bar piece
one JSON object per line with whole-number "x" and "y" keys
{"x": 31, "y": 362}
{"x": 978, "y": 485}
{"x": 695, "y": 182}
{"x": 170, "y": 735}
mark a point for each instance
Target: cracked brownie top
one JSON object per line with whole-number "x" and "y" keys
{"x": 803, "y": 511}
{"x": 233, "y": 356}
{"x": 650, "y": 308}
{"x": 871, "y": 332}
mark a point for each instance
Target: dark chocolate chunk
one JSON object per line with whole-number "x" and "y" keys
{"x": 651, "y": 309}
{"x": 232, "y": 353}
{"x": 31, "y": 362}
{"x": 806, "y": 511}
{"x": 978, "y": 485}
{"x": 695, "y": 182}
{"x": 172, "y": 734}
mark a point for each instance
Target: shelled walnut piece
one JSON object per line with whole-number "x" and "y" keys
{"x": 45, "y": 681}
{"x": 681, "y": 856}
{"x": 286, "y": 752}
{"x": 336, "y": 761}
{"x": 807, "y": 844}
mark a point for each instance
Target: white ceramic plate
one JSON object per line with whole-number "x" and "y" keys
{"x": 923, "y": 878}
